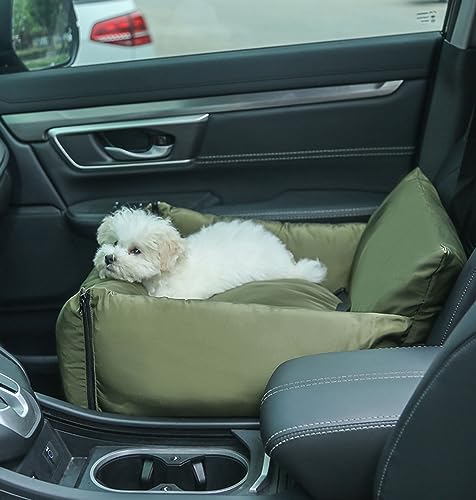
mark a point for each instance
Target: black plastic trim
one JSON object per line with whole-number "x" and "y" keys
{"x": 58, "y": 410}
{"x": 14, "y": 486}
{"x": 297, "y": 66}
{"x": 451, "y": 15}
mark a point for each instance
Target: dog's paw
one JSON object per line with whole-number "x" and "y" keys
{"x": 311, "y": 270}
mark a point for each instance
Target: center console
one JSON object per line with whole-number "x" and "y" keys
{"x": 323, "y": 418}
{"x": 79, "y": 451}
{"x": 115, "y": 463}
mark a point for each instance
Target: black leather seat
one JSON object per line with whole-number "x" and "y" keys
{"x": 394, "y": 424}
{"x": 462, "y": 295}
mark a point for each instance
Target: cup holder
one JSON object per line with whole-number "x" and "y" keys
{"x": 141, "y": 470}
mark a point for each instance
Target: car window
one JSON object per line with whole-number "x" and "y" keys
{"x": 122, "y": 30}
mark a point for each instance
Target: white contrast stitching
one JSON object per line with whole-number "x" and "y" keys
{"x": 368, "y": 379}
{"x": 326, "y": 210}
{"x": 354, "y": 377}
{"x": 330, "y": 422}
{"x": 307, "y": 212}
{"x": 332, "y": 431}
{"x": 201, "y": 159}
{"x": 409, "y": 347}
{"x": 307, "y": 151}
{"x": 286, "y": 216}
{"x": 343, "y": 378}
{"x": 445, "y": 334}
{"x": 361, "y": 379}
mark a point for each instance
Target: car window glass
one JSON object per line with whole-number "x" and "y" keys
{"x": 123, "y": 30}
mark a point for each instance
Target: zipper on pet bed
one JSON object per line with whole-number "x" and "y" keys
{"x": 86, "y": 315}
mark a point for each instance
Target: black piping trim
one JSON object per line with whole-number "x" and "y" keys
{"x": 85, "y": 311}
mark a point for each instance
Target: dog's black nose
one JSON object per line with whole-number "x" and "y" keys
{"x": 109, "y": 259}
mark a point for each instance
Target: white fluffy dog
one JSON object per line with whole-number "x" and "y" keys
{"x": 137, "y": 246}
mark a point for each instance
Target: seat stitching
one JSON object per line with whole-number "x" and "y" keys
{"x": 325, "y": 210}
{"x": 307, "y": 211}
{"x": 354, "y": 377}
{"x": 331, "y": 422}
{"x": 299, "y": 384}
{"x": 336, "y": 377}
{"x": 445, "y": 334}
{"x": 202, "y": 161}
{"x": 331, "y": 431}
{"x": 445, "y": 365}
{"x": 410, "y": 347}
{"x": 369, "y": 379}
{"x": 306, "y": 152}
{"x": 289, "y": 216}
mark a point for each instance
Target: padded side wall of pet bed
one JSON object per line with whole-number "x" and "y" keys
{"x": 163, "y": 357}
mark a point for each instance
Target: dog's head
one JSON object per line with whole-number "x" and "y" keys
{"x": 136, "y": 245}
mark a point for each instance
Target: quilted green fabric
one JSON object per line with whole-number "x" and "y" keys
{"x": 408, "y": 257}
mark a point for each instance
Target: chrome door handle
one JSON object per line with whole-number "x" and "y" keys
{"x": 153, "y": 153}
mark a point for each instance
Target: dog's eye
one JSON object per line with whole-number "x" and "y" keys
{"x": 135, "y": 251}
{"x": 115, "y": 243}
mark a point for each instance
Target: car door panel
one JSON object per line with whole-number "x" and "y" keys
{"x": 300, "y": 133}
{"x": 256, "y": 70}
{"x": 350, "y": 150}
{"x": 354, "y": 136}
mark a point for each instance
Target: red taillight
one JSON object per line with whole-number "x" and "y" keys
{"x": 130, "y": 30}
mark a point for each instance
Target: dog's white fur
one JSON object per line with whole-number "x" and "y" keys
{"x": 142, "y": 247}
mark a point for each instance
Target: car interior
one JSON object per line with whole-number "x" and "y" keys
{"x": 307, "y": 133}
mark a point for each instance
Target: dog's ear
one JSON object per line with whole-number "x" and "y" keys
{"x": 171, "y": 248}
{"x": 105, "y": 233}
